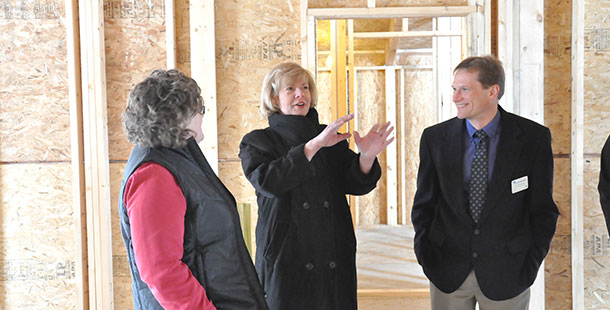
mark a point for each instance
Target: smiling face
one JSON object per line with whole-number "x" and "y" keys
{"x": 473, "y": 101}
{"x": 293, "y": 97}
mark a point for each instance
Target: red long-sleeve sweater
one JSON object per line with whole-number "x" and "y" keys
{"x": 156, "y": 209}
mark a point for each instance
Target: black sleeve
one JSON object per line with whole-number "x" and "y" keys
{"x": 350, "y": 176}
{"x": 270, "y": 171}
{"x": 604, "y": 182}
{"x": 543, "y": 210}
{"x": 425, "y": 201}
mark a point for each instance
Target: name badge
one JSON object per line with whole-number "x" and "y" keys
{"x": 519, "y": 184}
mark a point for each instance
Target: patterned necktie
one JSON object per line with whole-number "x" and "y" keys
{"x": 478, "y": 176}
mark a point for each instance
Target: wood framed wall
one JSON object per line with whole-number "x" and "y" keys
{"x": 63, "y": 181}
{"x": 577, "y": 154}
{"x": 478, "y": 22}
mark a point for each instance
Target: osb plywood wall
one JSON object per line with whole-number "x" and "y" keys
{"x": 135, "y": 45}
{"x": 419, "y": 114}
{"x": 245, "y": 52}
{"x": 324, "y": 97}
{"x": 382, "y": 3}
{"x": 37, "y": 244}
{"x": 557, "y": 112}
{"x": 370, "y": 88}
{"x": 596, "y": 130}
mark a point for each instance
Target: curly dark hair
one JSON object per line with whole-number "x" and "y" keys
{"x": 160, "y": 108}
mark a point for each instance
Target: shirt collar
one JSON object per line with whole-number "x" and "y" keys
{"x": 491, "y": 129}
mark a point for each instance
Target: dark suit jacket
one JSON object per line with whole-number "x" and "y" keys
{"x": 604, "y": 182}
{"x": 514, "y": 232}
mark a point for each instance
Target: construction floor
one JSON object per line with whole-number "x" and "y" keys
{"x": 389, "y": 277}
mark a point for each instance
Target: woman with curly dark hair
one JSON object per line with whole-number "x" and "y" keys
{"x": 179, "y": 223}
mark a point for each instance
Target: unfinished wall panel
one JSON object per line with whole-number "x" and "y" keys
{"x": 34, "y": 122}
{"x": 135, "y": 45}
{"x": 381, "y": 3}
{"x": 419, "y": 114}
{"x": 370, "y": 109}
{"x": 596, "y": 130}
{"x": 557, "y": 116}
{"x": 37, "y": 230}
{"x": 324, "y": 103}
{"x": 37, "y": 245}
{"x": 596, "y": 242}
{"x": 183, "y": 36}
{"x": 245, "y": 51}
{"x": 557, "y": 266}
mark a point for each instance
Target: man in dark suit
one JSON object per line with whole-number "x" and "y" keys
{"x": 604, "y": 182}
{"x": 483, "y": 213}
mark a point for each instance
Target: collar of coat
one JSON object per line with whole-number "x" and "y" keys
{"x": 296, "y": 129}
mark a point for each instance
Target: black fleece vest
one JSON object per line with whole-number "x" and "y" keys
{"x": 214, "y": 249}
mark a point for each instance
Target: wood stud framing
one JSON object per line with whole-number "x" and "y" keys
{"x": 97, "y": 179}
{"x": 577, "y": 156}
{"x": 391, "y": 150}
{"x": 170, "y": 33}
{"x": 77, "y": 151}
{"x": 203, "y": 70}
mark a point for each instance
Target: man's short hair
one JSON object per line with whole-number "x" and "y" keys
{"x": 489, "y": 69}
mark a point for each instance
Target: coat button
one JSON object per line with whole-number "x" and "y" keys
{"x": 477, "y": 232}
{"x": 326, "y": 204}
{"x": 332, "y": 265}
{"x": 306, "y": 205}
{"x": 475, "y": 255}
{"x": 309, "y": 266}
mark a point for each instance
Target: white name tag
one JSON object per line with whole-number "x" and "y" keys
{"x": 519, "y": 184}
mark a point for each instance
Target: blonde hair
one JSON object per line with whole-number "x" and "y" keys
{"x": 284, "y": 72}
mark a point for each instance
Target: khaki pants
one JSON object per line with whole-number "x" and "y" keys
{"x": 469, "y": 294}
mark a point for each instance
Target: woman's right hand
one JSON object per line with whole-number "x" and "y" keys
{"x": 328, "y": 137}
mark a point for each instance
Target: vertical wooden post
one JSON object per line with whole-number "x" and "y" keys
{"x": 338, "y": 70}
{"x": 203, "y": 70}
{"x": 97, "y": 179}
{"x": 77, "y": 152}
{"x": 305, "y": 37}
{"x": 351, "y": 97}
{"x": 391, "y": 45}
{"x": 476, "y": 29}
{"x": 391, "y": 176}
{"x": 170, "y": 34}
{"x": 311, "y": 62}
{"x": 577, "y": 156}
{"x": 403, "y": 151}
{"x": 505, "y": 50}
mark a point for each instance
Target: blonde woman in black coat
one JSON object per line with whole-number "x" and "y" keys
{"x": 301, "y": 170}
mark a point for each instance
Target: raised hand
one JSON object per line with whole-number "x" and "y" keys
{"x": 328, "y": 137}
{"x": 375, "y": 141}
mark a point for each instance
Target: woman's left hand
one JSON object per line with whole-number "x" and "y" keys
{"x": 375, "y": 141}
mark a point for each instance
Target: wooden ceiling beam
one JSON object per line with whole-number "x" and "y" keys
{"x": 405, "y": 34}
{"x": 390, "y": 12}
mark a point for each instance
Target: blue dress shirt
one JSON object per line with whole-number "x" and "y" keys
{"x": 493, "y": 131}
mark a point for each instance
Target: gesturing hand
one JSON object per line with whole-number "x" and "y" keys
{"x": 328, "y": 137}
{"x": 372, "y": 144}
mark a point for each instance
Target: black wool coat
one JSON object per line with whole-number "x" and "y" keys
{"x": 306, "y": 247}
